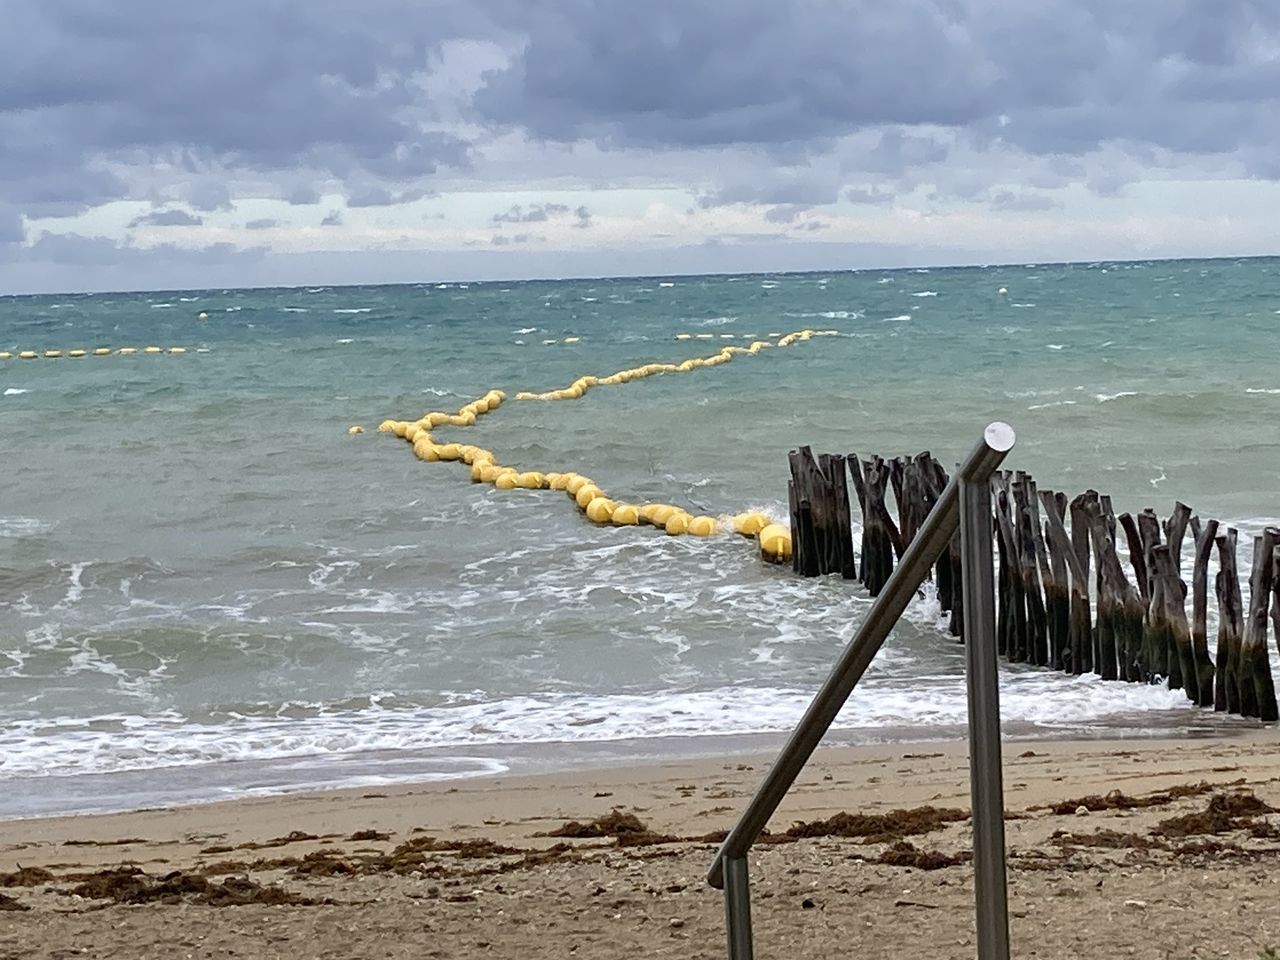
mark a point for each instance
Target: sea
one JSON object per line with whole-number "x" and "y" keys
{"x": 210, "y": 588}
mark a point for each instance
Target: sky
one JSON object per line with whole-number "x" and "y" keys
{"x": 148, "y": 144}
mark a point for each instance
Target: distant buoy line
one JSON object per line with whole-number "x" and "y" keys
{"x": 77, "y": 352}
{"x": 579, "y": 387}
{"x": 772, "y": 538}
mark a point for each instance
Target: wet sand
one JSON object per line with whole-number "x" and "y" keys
{"x": 1143, "y": 848}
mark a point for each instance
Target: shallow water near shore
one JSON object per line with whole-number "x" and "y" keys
{"x": 207, "y": 587}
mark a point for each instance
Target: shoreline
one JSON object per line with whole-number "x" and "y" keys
{"x": 1113, "y": 848}
{"x": 199, "y": 784}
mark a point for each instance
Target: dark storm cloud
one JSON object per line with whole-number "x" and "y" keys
{"x": 332, "y": 219}
{"x": 238, "y": 86}
{"x": 12, "y": 229}
{"x": 166, "y": 218}
{"x": 535, "y": 213}
{"x": 1056, "y": 76}
{"x": 868, "y": 196}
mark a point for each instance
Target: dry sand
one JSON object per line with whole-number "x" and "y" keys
{"x": 466, "y": 869}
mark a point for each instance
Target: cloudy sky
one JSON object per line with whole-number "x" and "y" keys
{"x": 153, "y": 143}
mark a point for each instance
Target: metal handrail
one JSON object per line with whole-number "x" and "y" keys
{"x": 729, "y": 869}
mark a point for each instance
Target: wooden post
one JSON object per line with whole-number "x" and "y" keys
{"x": 1028, "y": 530}
{"x": 1230, "y": 626}
{"x": 840, "y": 535}
{"x": 1057, "y": 592}
{"x": 1137, "y": 555}
{"x": 1254, "y": 656}
{"x": 1161, "y": 660}
{"x": 881, "y": 541}
{"x": 806, "y": 514}
{"x": 1082, "y": 639}
{"x": 1013, "y": 603}
{"x": 1109, "y": 592}
{"x": 1206, "y": 690}
{"x": 1170, "y": 618}
{"x": 1275, "y": 590}
{"x": 1120, "y": 607}
{"x": 1078, "y": 627}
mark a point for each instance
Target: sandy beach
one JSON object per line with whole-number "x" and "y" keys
{"x": 1121, "y": 848}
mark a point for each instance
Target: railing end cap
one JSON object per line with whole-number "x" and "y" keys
{"x": 999, "y": 436}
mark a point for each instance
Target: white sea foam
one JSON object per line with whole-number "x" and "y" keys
{"x": 119, "y": 742}
{"x": 346, "y": 340}
{"x": 524, "y": 330}
{"x": 926, "y": 293}
{"x": 294, "y": 310}
{"x": 714, "y": 321}
{"x": 1056, "y": 403}
{"x": 898, "y": 319}
{"x": 1056, "y": 346}
{"x": 666, "y": 283}
{"x": 1247, "y": 390}
{"x": 1108, "y": 397}
{"x": 15, "y": 391}
{"x": 354, "y": 310}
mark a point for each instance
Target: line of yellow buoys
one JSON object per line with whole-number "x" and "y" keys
{"x": 579, "y": 387}
{"x": 78, "y": 352}
{"x": 773, "y": 539}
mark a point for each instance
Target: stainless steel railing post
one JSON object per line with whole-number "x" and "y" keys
{"x": 737, "y": 908}
{"x": 985, "y": 774}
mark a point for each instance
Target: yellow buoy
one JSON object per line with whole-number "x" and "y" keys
{"x": 532, "y": 480}
{"x": 53, "y": 354}
{"x": 449, "y": 451}
{"x": 775, "y": 542}
{"x": 677, "y": 524}
{"x": 399, "y": 427}
{"x": 551, "y": 480}
{"x": 152, "y": 350}
{"x": 127, "y": 351}
{"x": 658, "y": 513}
{"x": 586, "y": 494}
{"x": 354, "y": 429}
{"x": 411, "y": 432}
{"x": 684, "y": 336}
{"x": 177, "y": 349}
{"x": 749, "y": 524}
{"x": 27, "y": 355}
{"x": 75, "y": 353}
{"x": 202, "y": 315}
{"x": 572, "y": 339}
{"x": 600, "y": 509}
{"x": 560, "y": 481}
{"x": 506, "y": 481}
{"x": 489, "y": 472}
{"x": 625, "y": 515}
{"x": 702, "y": 526}
{"x": 386, "y": 426}
{"x": 424, "y": 449}
{"x": 5, "y": 355}
{"x": 102, "y": 352}
{"x": 575, "y": 483}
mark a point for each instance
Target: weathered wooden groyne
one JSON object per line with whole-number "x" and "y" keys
{"x": 1064, "y": 598}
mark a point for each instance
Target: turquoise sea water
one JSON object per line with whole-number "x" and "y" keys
{"x": 208, "y": 586}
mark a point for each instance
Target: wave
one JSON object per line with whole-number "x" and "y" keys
{"x": 1108, "y": 397}
{"x": 123, "y": 742}
{"x": 353, "y": 310}
{"x": 15, "y": 391}
{"x": 926, "y": 293}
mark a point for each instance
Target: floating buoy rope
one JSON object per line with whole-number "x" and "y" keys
{"x": 578, "y": 389}
{"x": 78, "y": 352}
{"x": 773, "y": 539}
